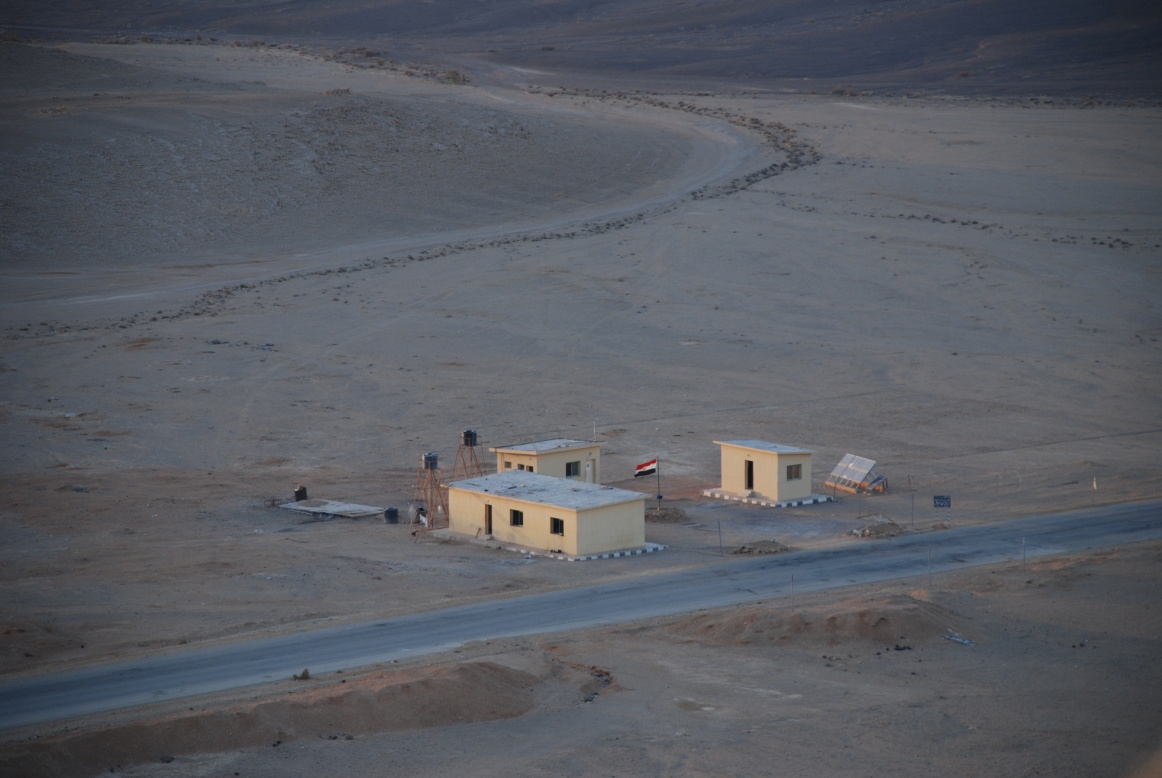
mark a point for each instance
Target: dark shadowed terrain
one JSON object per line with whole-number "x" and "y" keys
{"x": 968, "y": 47}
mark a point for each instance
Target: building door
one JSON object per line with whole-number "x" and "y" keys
{"x": 589, "y": 472}
{"x": 748, "y": 478}
{"x": 487, "y": 519}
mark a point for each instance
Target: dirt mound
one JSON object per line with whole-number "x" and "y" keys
{"x": 665, "y": 514}
{"x": 880, "y": 527}
{"x": 762, "y": 547}
{"x": 892, "y": 620}
{"x": 408, "y": 699}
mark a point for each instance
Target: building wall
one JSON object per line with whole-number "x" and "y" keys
{"x": 552, "y": 462}
{"x": 770, "y": 473}
{"x": 594, "y": 531}
{"x": 612, "y": 528}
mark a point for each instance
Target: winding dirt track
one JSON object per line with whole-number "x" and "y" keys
{"x": 707, "y": 152}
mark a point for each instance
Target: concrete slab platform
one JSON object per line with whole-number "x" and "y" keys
{"x": 344, "y": 510}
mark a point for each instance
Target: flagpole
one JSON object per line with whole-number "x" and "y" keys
{"x": 658, "y": 470}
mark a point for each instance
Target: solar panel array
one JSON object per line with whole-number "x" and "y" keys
{"x": 853, "y": 469}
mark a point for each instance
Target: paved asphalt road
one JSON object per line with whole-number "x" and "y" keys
{"x": 729, "y": 582}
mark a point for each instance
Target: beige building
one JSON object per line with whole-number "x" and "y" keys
{"x": 577, "y": 460}
{"x": 770, "y": 471}
{"x": 540, "y": 511}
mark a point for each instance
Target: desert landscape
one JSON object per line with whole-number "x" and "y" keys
{"x": 250, "y": 248}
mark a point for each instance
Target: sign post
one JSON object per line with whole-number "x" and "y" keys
{"x": 943, "y": 501}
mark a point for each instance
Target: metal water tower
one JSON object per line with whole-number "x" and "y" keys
{"x": 430, "y": 500}
{"x": 468, "y": 457}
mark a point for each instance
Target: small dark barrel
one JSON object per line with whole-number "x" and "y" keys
{"x": 468, "y": 438}
{"x": 391, "y": 516}
{"x": 431, "y": 461}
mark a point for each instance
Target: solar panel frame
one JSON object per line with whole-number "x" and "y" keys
{"x": 853, "y": 468}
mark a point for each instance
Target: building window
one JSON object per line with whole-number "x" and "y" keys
{"x": 794, "y": 472}
{"x": 556, "y": 526}
{"x": 520, "y": 467}
{"x": 572, "y": 469}
{"x": 516, "y": 518}
{"x": 531, "y": 469}
{"x": 507, "y": 465}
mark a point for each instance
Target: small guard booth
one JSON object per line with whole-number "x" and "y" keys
{"x": 770, "y": 471}
{"x": 577, "y": 460}
{"x": 547, "y": 513}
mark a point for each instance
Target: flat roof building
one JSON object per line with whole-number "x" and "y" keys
{"x": 769, "y": 471}
{"x": 577, "y": 460}
{"x": 548, "y": 513}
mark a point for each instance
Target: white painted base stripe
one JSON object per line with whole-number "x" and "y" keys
{"x": 815, "y": 499}
{"x": 648, "y": 548}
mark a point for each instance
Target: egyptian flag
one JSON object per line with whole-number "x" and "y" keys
{"x": 649, "y": 468}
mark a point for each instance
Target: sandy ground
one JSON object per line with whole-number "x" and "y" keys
{"x": 225, "y": 274}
